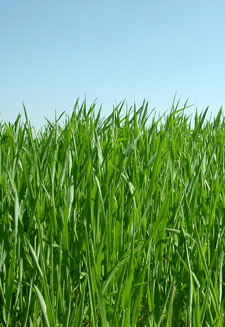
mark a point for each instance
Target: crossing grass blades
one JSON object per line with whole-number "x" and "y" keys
{"x": 115, "y": 221}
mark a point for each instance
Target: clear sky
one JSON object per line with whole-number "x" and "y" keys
{"x": 55, "y": 51}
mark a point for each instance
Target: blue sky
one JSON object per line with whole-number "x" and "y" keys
{"x": 55, "y": 51}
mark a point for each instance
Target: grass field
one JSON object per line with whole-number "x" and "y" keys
{"x": 115, "y": 221}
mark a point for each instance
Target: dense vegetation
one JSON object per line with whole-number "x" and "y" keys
{"x": 115, "y": 221}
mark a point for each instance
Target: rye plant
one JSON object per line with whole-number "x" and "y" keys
{"x": 115, "y": 221}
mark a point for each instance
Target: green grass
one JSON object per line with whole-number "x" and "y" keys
{"x": 113, "y": 222}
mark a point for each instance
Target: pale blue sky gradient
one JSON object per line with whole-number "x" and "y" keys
{"x": 55, "y": 51}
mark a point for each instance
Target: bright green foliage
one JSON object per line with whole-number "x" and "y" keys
{"x": 113, "y": 222}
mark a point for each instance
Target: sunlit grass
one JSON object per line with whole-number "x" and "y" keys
{"x": 115, "y": 221}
